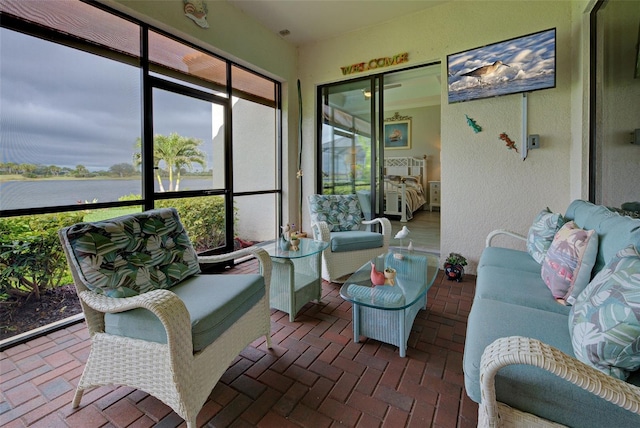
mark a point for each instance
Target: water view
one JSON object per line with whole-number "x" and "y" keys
{"x": 42, "y": 193}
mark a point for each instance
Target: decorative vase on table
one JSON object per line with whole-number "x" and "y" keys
{"x": 377, "y": 278}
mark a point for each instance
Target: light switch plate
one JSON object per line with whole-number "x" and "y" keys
{"x": 533, "y": 141}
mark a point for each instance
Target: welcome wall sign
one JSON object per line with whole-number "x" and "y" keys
{"x": 376, "y": 63}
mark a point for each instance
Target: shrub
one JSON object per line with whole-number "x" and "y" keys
{"x": 202, "y": 217}
{"x": 31, "y": 257}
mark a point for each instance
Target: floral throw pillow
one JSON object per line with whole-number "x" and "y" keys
{"x": 133, "y": 254}
{"x": 567, "y": 266}
{"x": 605, "y": 321}
{"x": 340, "y": 212}
{"x": 541, "y": 233}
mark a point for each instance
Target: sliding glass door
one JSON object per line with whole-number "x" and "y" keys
{"x": 348, "y": 143}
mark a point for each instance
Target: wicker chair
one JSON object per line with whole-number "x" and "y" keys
{"x": 516, "y": 350}
{"x": 146, "y": 253}
{"x": 338, "y": 219}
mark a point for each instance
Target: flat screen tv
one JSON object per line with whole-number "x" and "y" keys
{"x": 521, "y": 64}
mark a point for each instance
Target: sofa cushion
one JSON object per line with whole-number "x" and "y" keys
{"x": 528, "y": 388}
{"x": 615, "y": 231}
{"x": 214, "y": 302}
{"x": 508, "y": 258}
{"x": 340, "y": 212}
{"x": 355, "y": 240}
{"x": 566, "y": 268}
{"x": 516, "y": 287}
{"x": 129, "y": 255}
{"x": 605, "y": 322}
{"x": 541, "y": 233}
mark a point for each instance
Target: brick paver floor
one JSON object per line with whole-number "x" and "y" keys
{"x": 315, "y": 375}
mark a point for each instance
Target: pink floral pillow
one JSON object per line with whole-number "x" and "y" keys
{"x": 567, "y": 266}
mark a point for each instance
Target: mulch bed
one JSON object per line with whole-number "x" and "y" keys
{"x": 17, "y": 317}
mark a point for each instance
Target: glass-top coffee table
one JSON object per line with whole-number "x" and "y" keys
{"x": 386, "y": 312}
{"x": 295, "y": 275}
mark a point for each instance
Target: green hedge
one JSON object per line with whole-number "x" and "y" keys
{"x": 31, "y": 257}
{"x": 32, "y": 260}
{"x": 202, "y": 217}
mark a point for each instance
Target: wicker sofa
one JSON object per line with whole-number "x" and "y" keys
{"x": 523, "y": 360}
{"x": 156, "y": 324}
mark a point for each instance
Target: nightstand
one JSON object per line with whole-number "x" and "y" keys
{"x": 434, "y": 194}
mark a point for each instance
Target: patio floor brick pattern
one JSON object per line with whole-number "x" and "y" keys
{"x": 315, "y": 375}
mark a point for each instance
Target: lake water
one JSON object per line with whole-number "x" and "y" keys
{"x": 35, "y": 194}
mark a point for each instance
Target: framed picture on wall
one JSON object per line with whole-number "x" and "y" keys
{"x": 397, "y": 134}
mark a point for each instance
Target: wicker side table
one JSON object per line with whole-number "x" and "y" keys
{"x": 384, "y": 312}
{"x": 295, "y": 275}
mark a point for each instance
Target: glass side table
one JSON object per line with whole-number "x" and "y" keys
{"x": 386, "y": 312}
{"x": 295, "y": 275}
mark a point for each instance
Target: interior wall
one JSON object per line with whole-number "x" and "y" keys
{"x": 484, "y": 185}
{"x": 425, "y": 137}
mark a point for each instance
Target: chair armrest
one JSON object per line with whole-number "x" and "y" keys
{"x": 385, "y": 224}
{"x": 257, "y": 252}
{"x": 498, "y": 232}
{"x": 522, "y": 350}
{"x": 162, "y": 303}
{"x": 321, "y": 231}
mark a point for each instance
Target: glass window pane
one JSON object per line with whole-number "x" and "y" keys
{"x": 68, "y": 134}
{"x": 203, "y": 218}
{"x": 256, "y": 218}
{"x": 254, "y": 147}
{"x": 188, "y": 143}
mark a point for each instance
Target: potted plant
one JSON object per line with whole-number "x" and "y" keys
{"x": 454, "y": 266}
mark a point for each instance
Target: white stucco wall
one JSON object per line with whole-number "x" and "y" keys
{"x": 484, "y": 185}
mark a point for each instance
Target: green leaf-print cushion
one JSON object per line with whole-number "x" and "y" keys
{"x": 133, "y": 254}
{"x": 541, "y": 233}
{"x": 605, "y": 320}
{"x": 340, "y": 212}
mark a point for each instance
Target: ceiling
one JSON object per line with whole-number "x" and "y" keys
{"x": 310, "y": 21}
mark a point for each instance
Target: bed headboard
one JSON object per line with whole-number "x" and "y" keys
{"x": 407, "y": 166}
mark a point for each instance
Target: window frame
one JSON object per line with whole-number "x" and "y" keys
{"x": 148, "y": 83}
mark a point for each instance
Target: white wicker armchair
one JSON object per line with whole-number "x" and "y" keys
{"x": 516, "y": 350}
{"x": 336, "y": 215}
{"x": 171, "y": 371}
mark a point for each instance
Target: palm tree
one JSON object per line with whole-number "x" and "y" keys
{"x": 177, "y": 152}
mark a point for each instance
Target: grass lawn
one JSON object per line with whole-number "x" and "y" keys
{"x": 107, "y": 213}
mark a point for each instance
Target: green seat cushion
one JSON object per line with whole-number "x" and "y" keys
{"x": 214, "y": 302}
{"x": 529, "y": 388}
{"x": 355, "y": 240}
{"x": 508, "y": 259}
{"x": 517, "y": 287}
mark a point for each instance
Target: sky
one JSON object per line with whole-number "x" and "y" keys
{"x": 60, "y": 106}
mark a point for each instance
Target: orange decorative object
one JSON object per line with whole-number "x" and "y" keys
{"x": 377, "y": 278}
{"x": 510, "y": 143}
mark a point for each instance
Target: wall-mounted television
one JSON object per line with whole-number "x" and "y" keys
{"x": 521, "y": 64}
